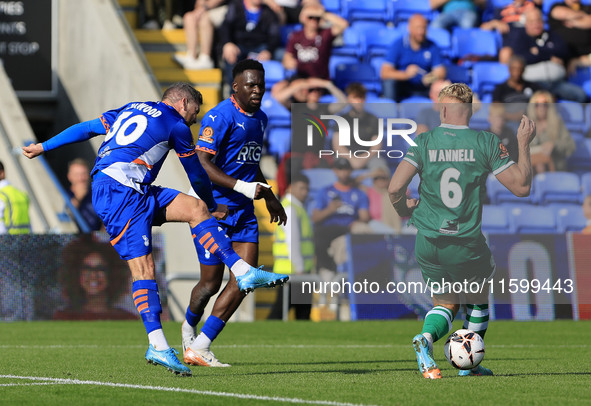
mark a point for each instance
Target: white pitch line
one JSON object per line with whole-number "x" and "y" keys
{"x": 47, "y": 380}
{"x": 289, "y": 346}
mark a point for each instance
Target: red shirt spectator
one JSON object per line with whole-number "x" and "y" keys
{"x": 312, "y": 54}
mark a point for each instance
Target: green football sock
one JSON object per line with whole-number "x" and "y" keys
{"x": 438, "y": 322}
{"x": 477, "y": 318}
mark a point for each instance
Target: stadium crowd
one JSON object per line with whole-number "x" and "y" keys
{"x": 390, "y": 58}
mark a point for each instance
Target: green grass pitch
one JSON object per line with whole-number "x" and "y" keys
{"x": 330, "y": 363}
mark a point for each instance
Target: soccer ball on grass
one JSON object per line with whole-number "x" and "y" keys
{"x": 464, "y": 349}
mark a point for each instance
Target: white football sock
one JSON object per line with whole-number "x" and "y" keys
{"x": 188, "y": 329}
{"x": 202, "y": 342}
{"x": 158, "y": 340}
{"x": 240, "y": 268}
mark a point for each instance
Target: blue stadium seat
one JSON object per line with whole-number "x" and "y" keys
{"x": 274, "y": 72}
{"x": 557, "y": 187}
{"x": 353, "y": 44}
{"x": 286, "y": 30}
{"x": 479, "y": 120}
{"x": 368, "y": 10}
{"x": 379, "y": 41}
{"x": 338, "y": 7}
{"x": 402, "y": 10}
{"x": 382, "y": 107}
{"x": 533, "y": 220}
{"x": 495, "y": 220}
{"x": 336, "y": 60}
{"x": 500, "y": 3}
{"x": 278, "y": 115}
{"x": 586, "y": 184}
{"x": 474, "y": 41}
{"x": 573, "y": 115}
{"x": 486, "y": 75}
{"x": 569, "y": 218}
{"x": 499, "y": 194}
{"x": 359, "y": 72}
{"x": 410, "y": 108}
{"x": 547, "y": 5}
{"x": 442, "y": 38}
{"x": 365, "y": 26}
{"x": 279, "y": 141}
{"x": 580, "y": 76}
{"x": 458, "y": 74}
{"x": 320, "y": 178}
{"x": 376, "y": 63}
{"x": 580, "y": 160}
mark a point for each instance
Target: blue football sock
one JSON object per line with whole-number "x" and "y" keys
{"x": 147, "y": 302}
{"x": 212, "y": 327}
{"x": 192, "y": 318}
{"x": 215, "y": 241}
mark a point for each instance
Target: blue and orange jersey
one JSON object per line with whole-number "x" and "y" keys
{"x": 235, "y": 138}
{"x": 139, "y": 137}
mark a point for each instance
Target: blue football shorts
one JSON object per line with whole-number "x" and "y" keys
{"x": 240, "y": 226}
{"x": 129, "y": 215}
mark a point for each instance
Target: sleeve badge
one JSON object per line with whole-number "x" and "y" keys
{"x": 206, "y": 135}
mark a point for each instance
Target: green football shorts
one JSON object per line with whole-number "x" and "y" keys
{"x": 452, "y": 259}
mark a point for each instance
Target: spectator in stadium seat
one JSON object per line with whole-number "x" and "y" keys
{"x": 497, "y": 121}
{"x": 199, "y": 25}
{"x": 381, "y": 211}
{"x": 456, "y": 13}
{"x": 308, "y": 50}
{"x": 93, "y": 278}
{"x": 553, "y": 143}
{"x": 80, "y": 194}
{"x": 14, "y": 208}
{"x": 250, "y": 30}
{"x": 515, "y": 92}
{"x": 367, "y": 126}
{"x": 340, "y": 209}
{"x": 571, "y": 20}
{"x": 308, "y": 91}
{"x": 545, "y": 54}
{"x": 587, "y": 214}
{"x": 412, "y": 63}
{"x": 512, "y": 15}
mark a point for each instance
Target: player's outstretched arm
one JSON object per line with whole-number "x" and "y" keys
{"x": 517, "y": 178}
{"x": 397, "y": 189}
{"x": 76, "y": 133}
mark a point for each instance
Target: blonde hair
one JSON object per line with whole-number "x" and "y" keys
{"x": 554, "y": 119}
{"x": 555, "y": 128}
{"x": 458, "y": 91}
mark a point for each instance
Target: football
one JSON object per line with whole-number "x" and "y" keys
{"x": 464, "y": 349}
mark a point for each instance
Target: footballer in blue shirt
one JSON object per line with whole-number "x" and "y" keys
{"x": 230, "y": 147}
{"x": 138, "y": 138}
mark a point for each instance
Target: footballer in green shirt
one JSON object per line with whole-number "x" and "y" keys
{"x": 453, "y": 163}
